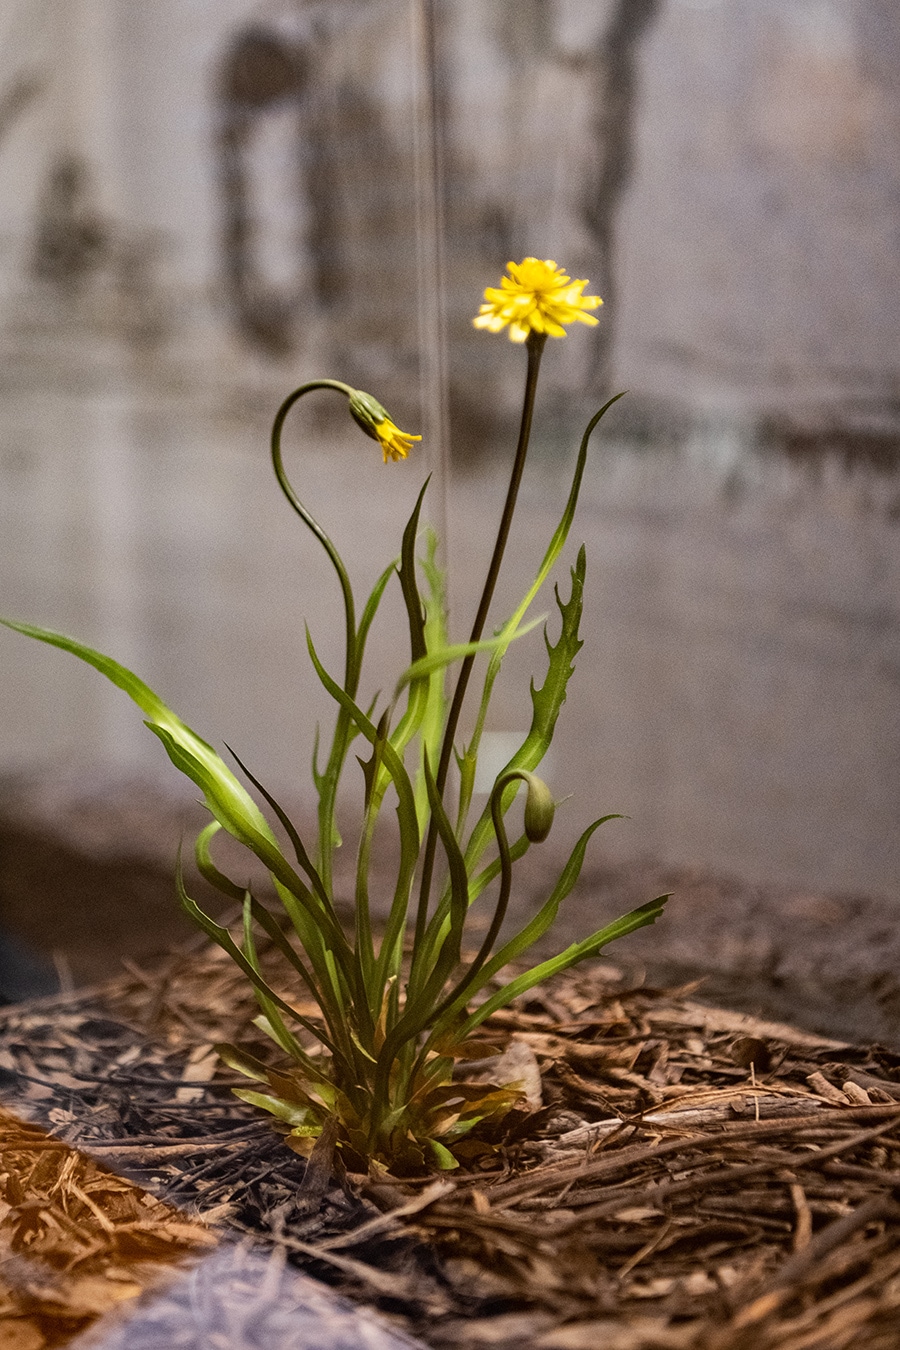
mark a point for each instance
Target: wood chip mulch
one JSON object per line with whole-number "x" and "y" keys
{"x": 76, "y": 1240}
{"x": 695, "y": 1179}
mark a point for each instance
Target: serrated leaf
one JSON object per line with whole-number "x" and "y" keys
{"x": 546, "y": 704}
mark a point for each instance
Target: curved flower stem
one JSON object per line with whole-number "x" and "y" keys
{"x": 535, "y": 347}
{"x": 351, "y": 673}
{"x": 328, "y": 780}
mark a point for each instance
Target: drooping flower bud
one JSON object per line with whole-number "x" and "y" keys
{"x": 539, "y": 809}
{"x": 368, "y": 413}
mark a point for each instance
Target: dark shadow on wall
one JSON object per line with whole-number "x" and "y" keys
{"x": 260, "y": 73}
{"x": 611, "y": 166}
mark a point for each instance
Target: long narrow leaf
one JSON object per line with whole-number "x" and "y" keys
{"x": 536, "y": 927}
{"x": 333, "y": 1011}
{"x": 227, "y": 800}
{"x": 223, "y": 938}
{"x": 290, "y": 829}
{"x": 371, "y": 608}
{"x": 579, "y": 951}
{"x": 432, "y": 968}
{"x": 406, "y": 811}
{"x": 458, "y": 651}
{"x": 207, "y": 868}
{"x": 394, "y": 764}
{"x": 407, "y": 573}
{"x": 282, "y": 1035}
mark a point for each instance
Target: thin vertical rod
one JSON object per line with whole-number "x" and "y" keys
{"x": 429, "y": 185}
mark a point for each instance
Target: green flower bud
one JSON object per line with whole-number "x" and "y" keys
{"x": 539, "y": 809}
{"x": 366, "y": 412}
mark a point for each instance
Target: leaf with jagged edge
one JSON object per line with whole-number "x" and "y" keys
{"x": 546, "y": 704}
{"x": 468, "y": 760}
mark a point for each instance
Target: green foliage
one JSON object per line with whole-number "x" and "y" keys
{"x": 376, "y": 1051}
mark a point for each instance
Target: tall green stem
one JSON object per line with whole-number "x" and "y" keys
{"x": 535, "y": 348}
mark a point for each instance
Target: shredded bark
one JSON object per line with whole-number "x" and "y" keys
{"x": 695, "y": 1177}
{"x": 76, "y": 1240}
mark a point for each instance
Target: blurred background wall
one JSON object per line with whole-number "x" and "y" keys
{"x": 204, "y": 202}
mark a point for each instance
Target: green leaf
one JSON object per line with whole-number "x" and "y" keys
{"x": 458, "y": 651}
{"x": 371, "y": 608}
{"x": 223, "y": 938}
{"x": 298, "y": 1116}
{"x": 578, "y": 951}
{"x": 276, "y": 1024}
{"x": 509, "y": 629}
{"x": 407, "y": 574}
{"x": 299, "y": 848}
{"x": 441, "y": 1155}
{"x": 242, "y": 1061}
{"x": 435, "y": 715}
{"x": 225, "y": 797}
{"x": 392, "y": 761}
{"x": 546, "y": 704}
{"x": 527, "y": 937}
{"x": 406, "y": 817}
{"x": 432, "y": 963}
{"x": 227, "y": 800}
{"x": 207, "y": 868}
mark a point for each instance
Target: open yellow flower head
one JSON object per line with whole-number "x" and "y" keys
{"x": 395, "y": 444}
{"x": 368, "y": 413}
{"x": 536, "y": 297}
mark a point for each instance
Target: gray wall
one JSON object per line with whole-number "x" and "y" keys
{"x": 726, "y": 174}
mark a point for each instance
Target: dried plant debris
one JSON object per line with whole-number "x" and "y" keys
{"x": 75, "y": 1239}
{"x": 693, "y": 1177}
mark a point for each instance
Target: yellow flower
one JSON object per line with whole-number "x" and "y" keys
{"x": 368, "y": 413}
{"x": 536, "y": 297}
{"x": 395, "y": 444}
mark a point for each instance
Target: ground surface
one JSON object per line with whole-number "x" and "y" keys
{"x": 694, "y": 1180}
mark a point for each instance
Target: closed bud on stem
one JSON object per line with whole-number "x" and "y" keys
{"x": 539, "y": 808}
